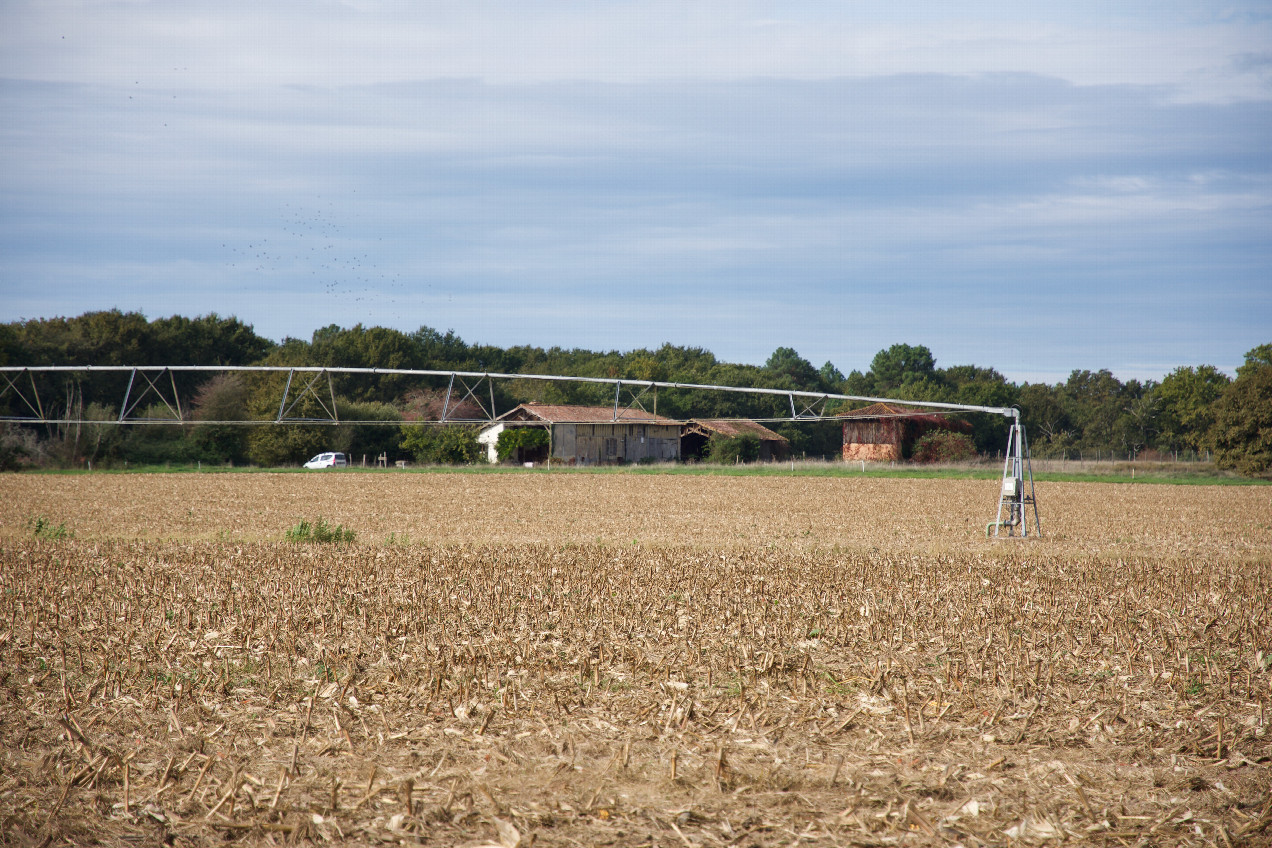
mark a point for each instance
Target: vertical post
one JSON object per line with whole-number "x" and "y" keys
{"x": 123, "y": 409}
{"x": 491, "y": 383}
{"x": 35, "y": 393}
{"x": 283, "y": 403}
{"x": 176, "y": 399}
{"x": 618, "y": 388}
{"x": 1033, "y": 496}
{"x": 331, "y": 390}
{"x": 1002, "y": 492}
{"x": 446, "y": 403}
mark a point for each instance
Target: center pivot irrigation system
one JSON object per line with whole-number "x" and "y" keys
{"x": 157, "y": 385}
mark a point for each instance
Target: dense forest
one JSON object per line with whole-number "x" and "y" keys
{"x": 1193, "y": 412}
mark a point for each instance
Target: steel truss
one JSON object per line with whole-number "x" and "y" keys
{"x": 479, "y": 388}
{"x": 463, "y": 386}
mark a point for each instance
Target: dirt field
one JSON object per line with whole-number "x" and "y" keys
{"x": 576, "y": 659}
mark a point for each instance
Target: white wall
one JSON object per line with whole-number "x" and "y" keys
{"x": 490, "y": 438}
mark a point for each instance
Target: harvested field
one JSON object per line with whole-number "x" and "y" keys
{"x": 577, "y": 659}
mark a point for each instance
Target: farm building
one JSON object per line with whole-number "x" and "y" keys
{"x": 695, "y": 434}
{"x": 884, "y": 432}
{"x": 590, "y": 435}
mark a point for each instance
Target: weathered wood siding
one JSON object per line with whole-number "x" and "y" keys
{"x": 598, "y": 444}
{"x": 874, "y": 440}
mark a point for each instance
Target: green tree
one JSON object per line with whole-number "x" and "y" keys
{"x": 902, "y": 364}
{"x": 1187, "y": 397}
{"x": 1046, "y": 420}
{"x": 645, "y": 367}
{"x": 977, "y": 386}
{"x": 798, "y": 372}
{"x": 832, "y": 377}
{"x": 1138, "y": 426}
{"x": 860, "y": 385}
{"x": 1256, "y": 359}
{"x": 1093, "y": 402}
{"x": 367, "y": 347}
{"x": 1242, "y": 431}
{"x": 222, "y": 398}
{"x": 381, "y": 435}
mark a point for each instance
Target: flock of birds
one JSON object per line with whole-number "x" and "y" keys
{"x": 312, "y": 243}
{"x": 312, "y": 250}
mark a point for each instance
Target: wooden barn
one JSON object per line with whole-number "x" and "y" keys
{"x": 885, "y": 432}
{"x": 695, "y": 434}
{"x": 590, "y": 435}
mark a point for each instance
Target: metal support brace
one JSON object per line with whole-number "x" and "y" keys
{"x": 332, "y": 414}
{"x": 470, "y": 392}
{"x": 282, "y": 403}
{"x": 635, "y": 403}
{"x": 123, "y": 407}
{"x": 37, "y": 407}
{"x": 126, "y": 409}
{"x": 446, "y": 403}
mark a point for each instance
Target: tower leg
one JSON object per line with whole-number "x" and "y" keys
{"x": 1017, "y": 492}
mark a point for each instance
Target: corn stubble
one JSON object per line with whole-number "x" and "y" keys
{"x": 577, "y": 692}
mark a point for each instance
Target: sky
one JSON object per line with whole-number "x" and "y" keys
{"x": 1032, "y": 187}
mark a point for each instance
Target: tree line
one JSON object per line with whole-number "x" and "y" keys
{"x": 1193, "y": 412}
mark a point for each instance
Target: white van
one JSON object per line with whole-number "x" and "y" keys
{"x": 328, "y": 460}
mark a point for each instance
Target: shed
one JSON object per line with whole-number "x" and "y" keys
{"x": 885, "y": 432}
{"x": 592, "y": 435}
{"x": 695, "y": 434}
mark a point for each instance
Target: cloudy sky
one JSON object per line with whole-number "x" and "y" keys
{"x": 1032, "y": 187}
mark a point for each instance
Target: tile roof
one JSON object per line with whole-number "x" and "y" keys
{"x": 879, "y": 410}
{"x": 887, "y": 410}
{"x": 569, "y": 414}
{"x": 732, "y": 428}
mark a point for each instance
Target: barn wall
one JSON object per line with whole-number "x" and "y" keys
{"x": 489, "y": 439}
{"x": 872, "y": 440}
{"x": 564, "y": 440}
{"x": 595, "y": 444}
{"x": 884, "y": 440}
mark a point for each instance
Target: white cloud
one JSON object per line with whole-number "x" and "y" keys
{"x": 240, "y": 45}
{"x": 739, "y": 176}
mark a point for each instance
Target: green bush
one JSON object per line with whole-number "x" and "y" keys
{"x": 441, "y": 444}
{"x": 18, "y": 447}
{"x": 730, "y": 450}
{"x": 320, "y": 531}
{"x": 525, "y": 439}
{"x": 43, "y": 528}
{"x": 943, "y": 446}
{"x": 369, "y": 440}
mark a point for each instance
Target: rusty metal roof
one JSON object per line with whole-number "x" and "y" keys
{"x": 888, "y": 410}
{"x": 878, "y": 410}
{"x": 732, "y": 428}
{"x": 569, "y": 414}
